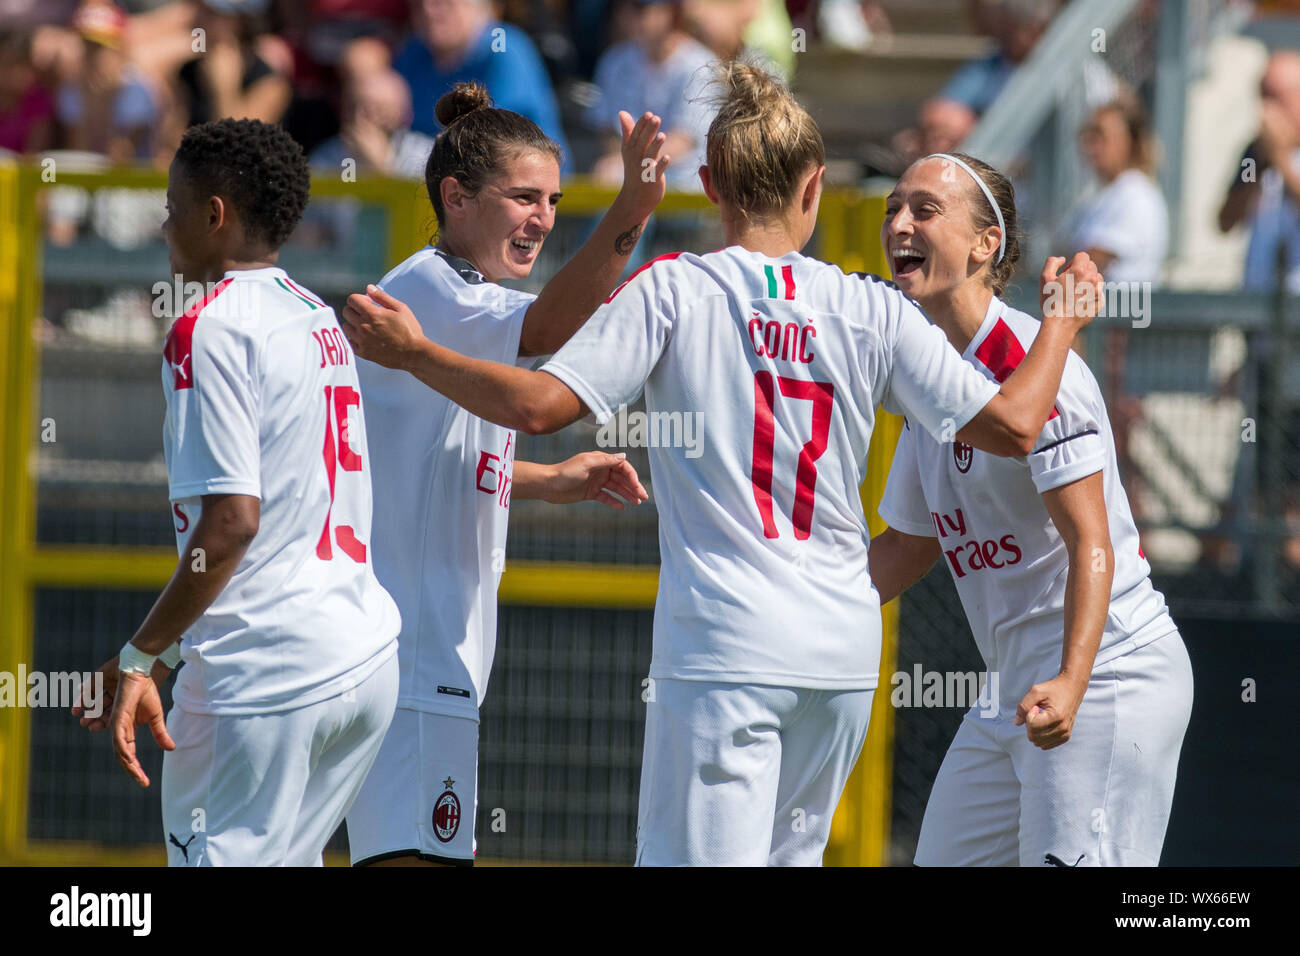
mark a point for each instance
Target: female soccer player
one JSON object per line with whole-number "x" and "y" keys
{"x": 444, "y": 478}
{"x": 767, "y": 629}
{"x": 1046, "y": 559}
{"x": 289, "y": 641}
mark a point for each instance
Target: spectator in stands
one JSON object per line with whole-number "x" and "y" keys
{"x": 26, "y": 107}
{"x": 660, "y": 69}
{"x": 1266, "y": 192}
{"x": 947, "y": 118}
{"x": 942, "y": 125}
{"x": 109, "y": 109}
{"x": 376, "y": 129}
{"x": 1125, "y": 226}
{"x": 457, "y": 40}
{"x": 1016, "y": 25}
{"x": 756, "y": 29}
{"x": 321, "y": 36}
{"x": 376, "y": 137}
{"x": 229, "y": 76}
{"x": 1266, "y": 196}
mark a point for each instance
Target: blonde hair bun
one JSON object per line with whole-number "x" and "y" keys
{"x": 761, "y": 141}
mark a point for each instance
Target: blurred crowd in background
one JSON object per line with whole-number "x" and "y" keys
{"x": 100, "y": 83}
{"x": 125, "y": 79}
{"x": 96, "y": 83}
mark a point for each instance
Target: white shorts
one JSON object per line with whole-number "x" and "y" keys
{"x": 421, "y": 796}
{"x": 744, "y": 774}
{"x": 1100, "y": 799}
{"x": 271, "y": 789}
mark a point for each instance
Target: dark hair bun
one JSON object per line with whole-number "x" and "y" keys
{"x": 463, "y": 98}
{"x": 476, "y": 143}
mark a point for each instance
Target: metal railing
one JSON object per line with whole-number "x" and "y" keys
{"x": 1032, "y": 127}
{"x": 1203, "y": 393}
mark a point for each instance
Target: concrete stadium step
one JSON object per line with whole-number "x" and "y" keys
{"x": 916, "y": 17}
{"x": 865, "y": 98}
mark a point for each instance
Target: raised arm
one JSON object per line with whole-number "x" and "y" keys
{"x": 1012, "y": 420}
{"x": 1238, "y": 203}
{"x": 590, "y": 276}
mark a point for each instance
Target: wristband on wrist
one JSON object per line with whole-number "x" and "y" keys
{"x": 172, "y": 656}
{"x": 132, "y": 660}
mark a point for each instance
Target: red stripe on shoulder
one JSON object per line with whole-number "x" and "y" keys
{"x": 180, "y": 340}
{"x": 1001, "y": 353}
{"x": 641, "y": 269}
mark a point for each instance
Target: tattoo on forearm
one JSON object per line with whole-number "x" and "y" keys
{"x": 627, "y": 240}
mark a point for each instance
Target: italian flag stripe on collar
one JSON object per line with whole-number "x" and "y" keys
{"x": 787, "y": 280}
{"x": 294, "y": 291}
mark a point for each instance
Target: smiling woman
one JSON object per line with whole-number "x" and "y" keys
{"x": 942, "y": 206}
{"x": 767, "y": 627}
{"x": 1046, "y": 558}
{"x": 494, "y": 180}
{"x": 444, "y": 477}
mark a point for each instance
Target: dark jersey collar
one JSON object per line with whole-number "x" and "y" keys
{"x": 464, "y": 268}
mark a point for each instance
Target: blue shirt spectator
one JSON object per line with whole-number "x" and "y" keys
{"x": 1268, "y": 201}
{"x": 662, "y": 69}
{"x": 977, "y": 83}
{"x": 1016, "y": 25}
{"x": 1274, "y": 223}
{"x": 503, "y": 59}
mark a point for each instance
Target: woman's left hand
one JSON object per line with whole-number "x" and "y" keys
{"x": 643, "y": 165}
{"x": 592, "y": 476}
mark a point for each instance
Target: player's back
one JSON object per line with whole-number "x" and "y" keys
{"x": 781, "y": 361}
{"x": 263, "y": 400}
{"x": 772, "y": 547}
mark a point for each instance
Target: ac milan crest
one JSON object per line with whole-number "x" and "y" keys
{"x": 963, "y": 455}
{"x": 446, "y": 813}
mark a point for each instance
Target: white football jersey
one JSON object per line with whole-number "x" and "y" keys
{"x": 762, "y": 538}
{"x": 999, "y": 543}
{"x": 442, "y": 486}
{"x": 263, "y": 400}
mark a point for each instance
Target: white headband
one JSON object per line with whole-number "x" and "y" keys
{"x": 997, "y": 210}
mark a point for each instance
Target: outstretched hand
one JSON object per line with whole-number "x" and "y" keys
{"x": 592, "y": 476}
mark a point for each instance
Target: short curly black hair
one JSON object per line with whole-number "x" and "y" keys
{"x": 258, "y": 166}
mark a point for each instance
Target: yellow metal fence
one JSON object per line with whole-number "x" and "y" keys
{"x": 846, "y": 235}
